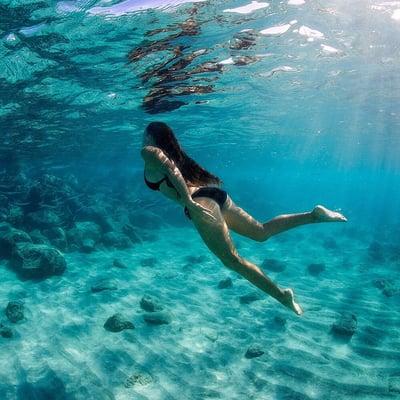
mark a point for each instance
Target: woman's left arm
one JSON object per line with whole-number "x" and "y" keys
{"x": 157, "y": 157}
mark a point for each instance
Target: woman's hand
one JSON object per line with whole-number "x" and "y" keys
{"x": 194, "y": 207}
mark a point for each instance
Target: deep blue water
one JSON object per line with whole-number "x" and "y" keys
{"x": 292, "y": 104}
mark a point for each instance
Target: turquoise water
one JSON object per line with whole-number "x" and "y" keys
{"x": 292, "y": 104}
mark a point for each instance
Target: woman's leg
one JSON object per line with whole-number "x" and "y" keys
{"x": 215, "y": 235}
{"x": 243, "y": 223}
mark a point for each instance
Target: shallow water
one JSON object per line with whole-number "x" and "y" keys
{"x": 292, "y": 104}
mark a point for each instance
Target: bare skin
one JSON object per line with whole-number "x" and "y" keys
{"x": 213, "y": 223}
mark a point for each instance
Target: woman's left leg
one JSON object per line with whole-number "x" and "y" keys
{"x": 243, "y": 223}
{"x": 215, "y": 235}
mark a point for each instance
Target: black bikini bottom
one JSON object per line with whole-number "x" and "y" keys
{"x": 214, "y": 193}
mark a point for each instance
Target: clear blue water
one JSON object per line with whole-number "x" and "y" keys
{"x": 292, "y": 104}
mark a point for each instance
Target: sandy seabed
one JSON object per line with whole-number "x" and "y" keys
{"x": 62, "y": 351}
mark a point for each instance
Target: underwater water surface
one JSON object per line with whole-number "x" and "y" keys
{"x": 107, "y": 290}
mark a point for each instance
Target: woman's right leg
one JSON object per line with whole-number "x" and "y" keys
{"x": 215, "y": 235}
{"x": 243, "y": 223}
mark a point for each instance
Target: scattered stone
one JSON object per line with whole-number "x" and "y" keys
{"x": 117, "y": 323}
{"x": 15, "y": 311}
{"x": 130, "y": 231}
{"x": 42, "y": 219}
{"x": 273, "y": 265}
{"x": 375, "y": 251}
{"x": 379, "y": 283}
{"x": 394, "y": 252}
{"x": 388, "y": 287}
{"x": 138, "y": 378}
{"x": 148, "y": 262}
{"x": 83, "y": 231}
{"x": 103, "y": 284}
{"x": 225, "y": 283}
{"x": 346, "y": 325}
{"x": 391, "y": 290}
{"x": 4, "y": 202}
{"x": 37, "y": 261}
{"x": 149, "y": 304}
{"x": 9, "y": 239}
{"x": 119, "y": 264}
{"x": 254, "y": 351}
{"x": 394, "y": 384}
{"x": 371, "y": 336}
{"x": 6, "y": 332}
{"x": 117, "y": 240}
{"x": 37, "y": 237}
{"x": 330, "y": 243}
{"x": 57, "y": 237}
{"x": 157, "y": 318}
{"x": 16, "y": 216}
{"x": 195, "y": 259}
{"x": 5, "y": 227}
{"x": 88, "y": 245}
{"x": 249, "y": 298}
{"x": 279, "y": 321}
{"x": 210, "y": 334}
{"x": 146, "y": 220}
{"x": 316, "y": 269}
{"x": 98, "y": 215}
{"x": 3, "y": 214}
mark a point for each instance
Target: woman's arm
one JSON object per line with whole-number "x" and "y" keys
{"x": 157, "y": 157}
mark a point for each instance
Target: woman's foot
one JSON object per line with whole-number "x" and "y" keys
{"x": 288, "y": 301}
{"x": 322, "y": 214}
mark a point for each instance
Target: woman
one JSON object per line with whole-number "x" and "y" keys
{"x": 171, "y": 171}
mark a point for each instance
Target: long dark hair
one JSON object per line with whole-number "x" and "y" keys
{"x": 192, "y": 172}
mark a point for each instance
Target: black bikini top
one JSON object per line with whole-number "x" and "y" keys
{"x": 156, "y": 185}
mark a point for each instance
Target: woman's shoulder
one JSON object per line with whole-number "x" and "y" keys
{"x": 152, "y": 153}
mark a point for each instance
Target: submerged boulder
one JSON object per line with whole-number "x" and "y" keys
{"x": 330, "y": 243}
{"x": 15, "y": 311}
{"x": 131, "y": 232}
{"x": 57, "y": 237}
{"x": 316, "y": 269}
{"x": 345, "y": 326}
{"x": 42, "y": 219}
{"x": 254, "y": 351}
{"x": 5, "y": 331}
{"x": 37, "y": 261}
{"x": 225, "y": 283}
{"x": 9, "y": 238}
{"x": 157, "y": 318}
{"x": 117, "y": 323}
{"x": 83, "y": 231}
{"x": 102, "y": 285}
{"x": 98, "y": 215}
{"x": 149, "y": 262}
{"x": 88, "y": 245}
{"x": 15, "y": 216}
{"x": 249, "y": 298}
{"x": 387, "y": 286}
{"x": 191, "y": 259}
{"x": 139, "y": 378}
{"x": 117, "y": 240}
{"x": 119, "y": 264}
{"x": 375, "y": 252}
{"x": 37, "y": 237}
{"x": 273, "y": 265}
{"x": 150, "y": 304}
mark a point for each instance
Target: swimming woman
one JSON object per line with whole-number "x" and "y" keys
{"x": 171, "y": 171}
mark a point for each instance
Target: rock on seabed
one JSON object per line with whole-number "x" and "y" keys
{"x": 36, "y": 261}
